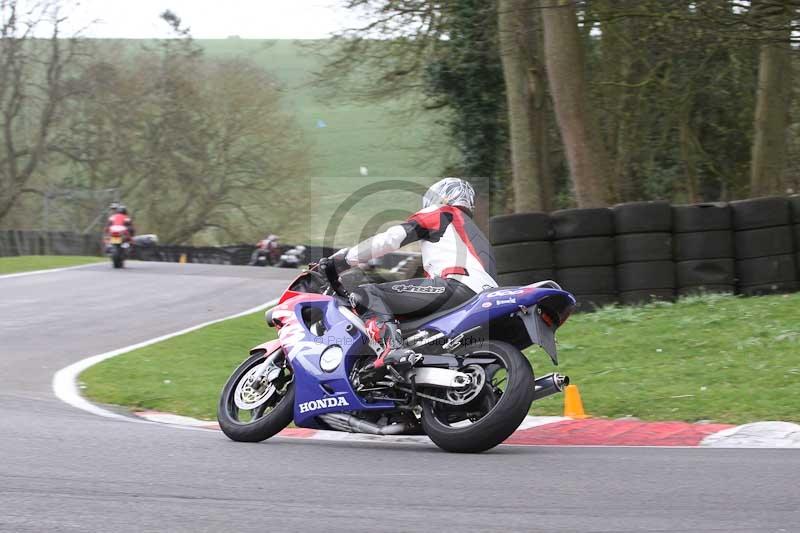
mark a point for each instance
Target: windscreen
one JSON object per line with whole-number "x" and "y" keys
{"x": 310, "y": 282}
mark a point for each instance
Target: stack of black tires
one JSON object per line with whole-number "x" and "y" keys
{"x": 703, "y": 248}
{"x": 765, "y": 246}
{"x": 583, "y": 254}
{"x": 795, "y": 203}
{"x": 643, "y": 249}
{"x": 522, "y": 248}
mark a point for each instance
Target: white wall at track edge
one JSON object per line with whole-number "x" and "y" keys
{"x": 45, "y": 271}
{"x": 65, "y": 381}
{"x": 756, "y": 435}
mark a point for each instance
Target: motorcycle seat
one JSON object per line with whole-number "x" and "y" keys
{"x": 411, "y": 325}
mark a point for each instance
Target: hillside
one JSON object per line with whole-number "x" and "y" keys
{"x": 340, "y": 137}
{"x": 343, "y": 137}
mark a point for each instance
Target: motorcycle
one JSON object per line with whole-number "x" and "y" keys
{"x": 469, "y": 390}
{"x": 293, "y": 258}
{"x": 267, "y": 253}
{"x": 145, "y": 248}
{"x": 118, "y": 244}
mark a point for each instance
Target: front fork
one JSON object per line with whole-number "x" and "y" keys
{"x": 269, "y": 370}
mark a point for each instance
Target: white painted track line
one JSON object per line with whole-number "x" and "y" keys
{"x": 65, "y": 381}
{"x": 46, "y": 271}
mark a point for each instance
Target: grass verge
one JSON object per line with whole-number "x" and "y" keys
{"x": 720, "y": 358}
{"x": 27, "y": 263}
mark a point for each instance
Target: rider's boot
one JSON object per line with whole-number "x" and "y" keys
{"x": 393, "y": 354}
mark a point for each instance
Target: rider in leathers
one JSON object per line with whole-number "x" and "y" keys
{"x": 457, "y": 258}
{"x": 118, "y": 216}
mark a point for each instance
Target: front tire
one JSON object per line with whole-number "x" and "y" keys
{"x": 505, "y": 410}
{"x": 262, "y": 423}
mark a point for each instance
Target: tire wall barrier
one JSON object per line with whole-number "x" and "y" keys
{"x": 585, "y": 255}
{"x": 523, "y": 247}
{"x": 643, "y": 251}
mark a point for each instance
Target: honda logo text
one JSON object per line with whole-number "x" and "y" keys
{"x": 324, "y": 403}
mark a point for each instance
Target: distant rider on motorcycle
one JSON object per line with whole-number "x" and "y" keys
{"x": 118, "y": 216}
{"x": 270, "y": 246}
{"x": 457, "y": 258}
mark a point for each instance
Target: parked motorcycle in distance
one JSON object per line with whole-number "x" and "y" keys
{"x": 145, "y": 248}
{"x": 470, "y": 390}
{"x": 117, "y": 244}
{"x": 293, "y": 258}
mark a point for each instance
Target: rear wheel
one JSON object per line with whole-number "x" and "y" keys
{"x": 490, "y": 417}
{"x": 252, "y": 409}
{"x": 116, "y": 257}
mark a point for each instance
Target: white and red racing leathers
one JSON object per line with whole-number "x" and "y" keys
{"x": 452, "y": 246}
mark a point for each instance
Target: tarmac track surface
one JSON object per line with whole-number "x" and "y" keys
{"x": 62, "y": 469}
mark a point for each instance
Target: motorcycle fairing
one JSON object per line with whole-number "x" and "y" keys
{"x": 316, "y": 391}
{"x": 526, "y": 302}
{"x": 268, "y": 347}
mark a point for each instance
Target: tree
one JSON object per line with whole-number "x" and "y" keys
{"x": 198, "y": 147}
{"x": 34, "y": 85}
{"x": 773, "y": 97}
{"x": 525, "y": 101}
{"x": 564, "y": 59}
{"x": 464, "y": 76}
{"x": 672, "y": 85}
{"x": 439, "y": 56}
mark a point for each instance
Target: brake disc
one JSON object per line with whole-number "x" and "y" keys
{"x": 470, "y": 392}
{"x": 252, "y": 392}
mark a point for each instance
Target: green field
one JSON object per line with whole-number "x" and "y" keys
{"x": 720, "y": 358}
{"x": 27, "y": 263}
{"x": 382, "y": 137}
{"x": 379, "y": 136}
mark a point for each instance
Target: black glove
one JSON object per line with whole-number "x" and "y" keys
{"x": 334, "y": 265}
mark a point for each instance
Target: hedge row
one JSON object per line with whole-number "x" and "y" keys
{"x": 641, "y": 251}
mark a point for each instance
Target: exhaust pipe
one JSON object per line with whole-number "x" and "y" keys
{"x": 549, "y": 385}
{"x": 351, "y": 424}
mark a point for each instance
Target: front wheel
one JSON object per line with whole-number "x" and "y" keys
{"x": 252, "y": 409}
{"x": 490, "y": 417}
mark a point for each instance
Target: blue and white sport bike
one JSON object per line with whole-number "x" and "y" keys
{"x": 469, "y": 391}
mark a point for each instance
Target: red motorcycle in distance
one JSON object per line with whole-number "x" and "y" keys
{"x": 117, "y": 244}
{"x": 267, "y": 252}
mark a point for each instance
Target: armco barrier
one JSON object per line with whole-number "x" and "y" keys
{"x": 238, "y": 254}
{"x": 34, "y": 242}
{"x": 641, "y": 251}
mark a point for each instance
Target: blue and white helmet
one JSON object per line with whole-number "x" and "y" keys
{"x": 450, "y": 191}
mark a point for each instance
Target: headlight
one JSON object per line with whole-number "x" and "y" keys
{"x": 331, "y": 358}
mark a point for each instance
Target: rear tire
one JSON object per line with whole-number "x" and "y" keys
{"x": 262, "y": 428}
{"x": 116, "y": 258}
{"x": 502, "y": 419}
